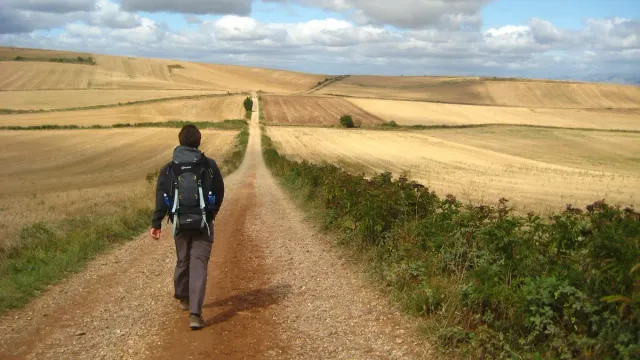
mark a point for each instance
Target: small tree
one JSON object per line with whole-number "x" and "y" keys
{"x": 347, "y": 121}
{"x": 248, "y": 104}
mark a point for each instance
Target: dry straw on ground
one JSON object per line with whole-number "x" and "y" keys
{"x": 537, "y": 169}
{"x": 524, "y": 93}
{"x": 119, "y": 72}
{"x": 51, "y": 175}
{"x": 426, "y": 113}
{"x": 64, "y": 99}
{"x": 207, "y": 109}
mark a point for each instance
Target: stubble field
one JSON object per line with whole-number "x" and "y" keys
{"x": 119, "y": 72}
{"x": 479, "y": 91}
{"x": 426, "y": 113}
{"x": 536, "y": 169}
{"x": 64, "y": 99}
{"x": 312, "y": 110}
{"x": 51, "y": 175}
{"x": 215, "y": 109}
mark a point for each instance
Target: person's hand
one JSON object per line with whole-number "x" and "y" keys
{"x": 155, "y": 233}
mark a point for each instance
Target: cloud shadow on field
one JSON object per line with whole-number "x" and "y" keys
{"x": 247, "y": 301}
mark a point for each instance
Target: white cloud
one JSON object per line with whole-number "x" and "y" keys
{"x": 237, "y": 28}
{"x": 439, "y": 44}
{"x": 453, "y": 14}
{"x": 616, "y": 33}
{"x": 50, "y": 6}
{"x": 236, "y": 7}
{"x": 23, "y": 16}
{"x": 544, "y": 32}
{"x": 108, "y": 14}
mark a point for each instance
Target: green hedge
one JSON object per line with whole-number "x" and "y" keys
{"x": 493, "y": 284}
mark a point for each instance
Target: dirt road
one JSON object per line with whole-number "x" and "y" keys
{"x": 276, "y": 289}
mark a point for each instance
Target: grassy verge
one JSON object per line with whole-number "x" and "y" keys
{"x": 392, "y": 126}
{"x": 50, "y": 252}
{"x": 490, "y": 283}
{"x": 128, "y": 103}
{"x": 235, "y": 124}
{"x": 261, "y": 111}
{"x": 232, "y": 162}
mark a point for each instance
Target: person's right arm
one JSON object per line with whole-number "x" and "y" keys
{"x": 218, "y": 187}
{"x": 163, "y": 186}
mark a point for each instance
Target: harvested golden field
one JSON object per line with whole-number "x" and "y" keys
{"x": 208, "y": 109}
{"x": 536, "y": 169}
{"x": 45, "y": 75}
{"x": 479, "y": 91}
{"x": 242, "y": 78}
{"x": 50, "y": 175}
{"x": 589, "y": 150}
{"x": 61, "y": 99}
{"x": 312, "y": 110}
{"x": 426, "y": 113}
{"x": 119, "y": 72}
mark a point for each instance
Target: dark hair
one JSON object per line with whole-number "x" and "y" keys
{"x": 190, "y": 136}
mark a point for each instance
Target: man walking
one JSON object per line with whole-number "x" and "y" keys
{"x": 190, "y": 190}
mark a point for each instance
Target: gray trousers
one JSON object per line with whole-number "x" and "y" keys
{"x": 190, "y": 278}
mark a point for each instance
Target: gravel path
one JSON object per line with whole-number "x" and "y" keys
{"x": 276, "y": 289}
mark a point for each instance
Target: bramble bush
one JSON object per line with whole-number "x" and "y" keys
{"x": 347, "y": 121}
{"x": 248, "y": 104}
{"x": 496, "y": 284}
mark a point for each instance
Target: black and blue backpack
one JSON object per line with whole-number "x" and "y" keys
{"x": 191, "y": 190}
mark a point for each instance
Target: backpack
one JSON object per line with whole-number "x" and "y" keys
{"x": 192, "y": 179}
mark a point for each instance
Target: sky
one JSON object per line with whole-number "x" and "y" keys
{"x": 591, "y": 40}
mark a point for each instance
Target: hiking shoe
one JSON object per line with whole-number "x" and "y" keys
{"x": 184, "y": 304}
{"x": 196, "y": 322}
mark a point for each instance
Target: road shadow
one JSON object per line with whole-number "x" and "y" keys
{"x": 248, "y": 300}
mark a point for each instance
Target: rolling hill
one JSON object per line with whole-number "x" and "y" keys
{"x": 489, "y": 91}
{"x": 39, "y": 70}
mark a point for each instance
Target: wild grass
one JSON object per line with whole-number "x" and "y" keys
{"x": 392, "y": 125}
{"x": 489, "y": 283}
{"x": 233, "y": 161}
{"x": 261, "y": 111}
{"x": 229, "y": 124}
{"x": 51, "y": 251}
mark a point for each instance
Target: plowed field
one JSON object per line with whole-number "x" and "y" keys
{"x": 312, "y": 110}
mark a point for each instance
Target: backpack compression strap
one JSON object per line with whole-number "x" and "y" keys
{"x": 173, "y": 211}
{"x": 203, "y": 208}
